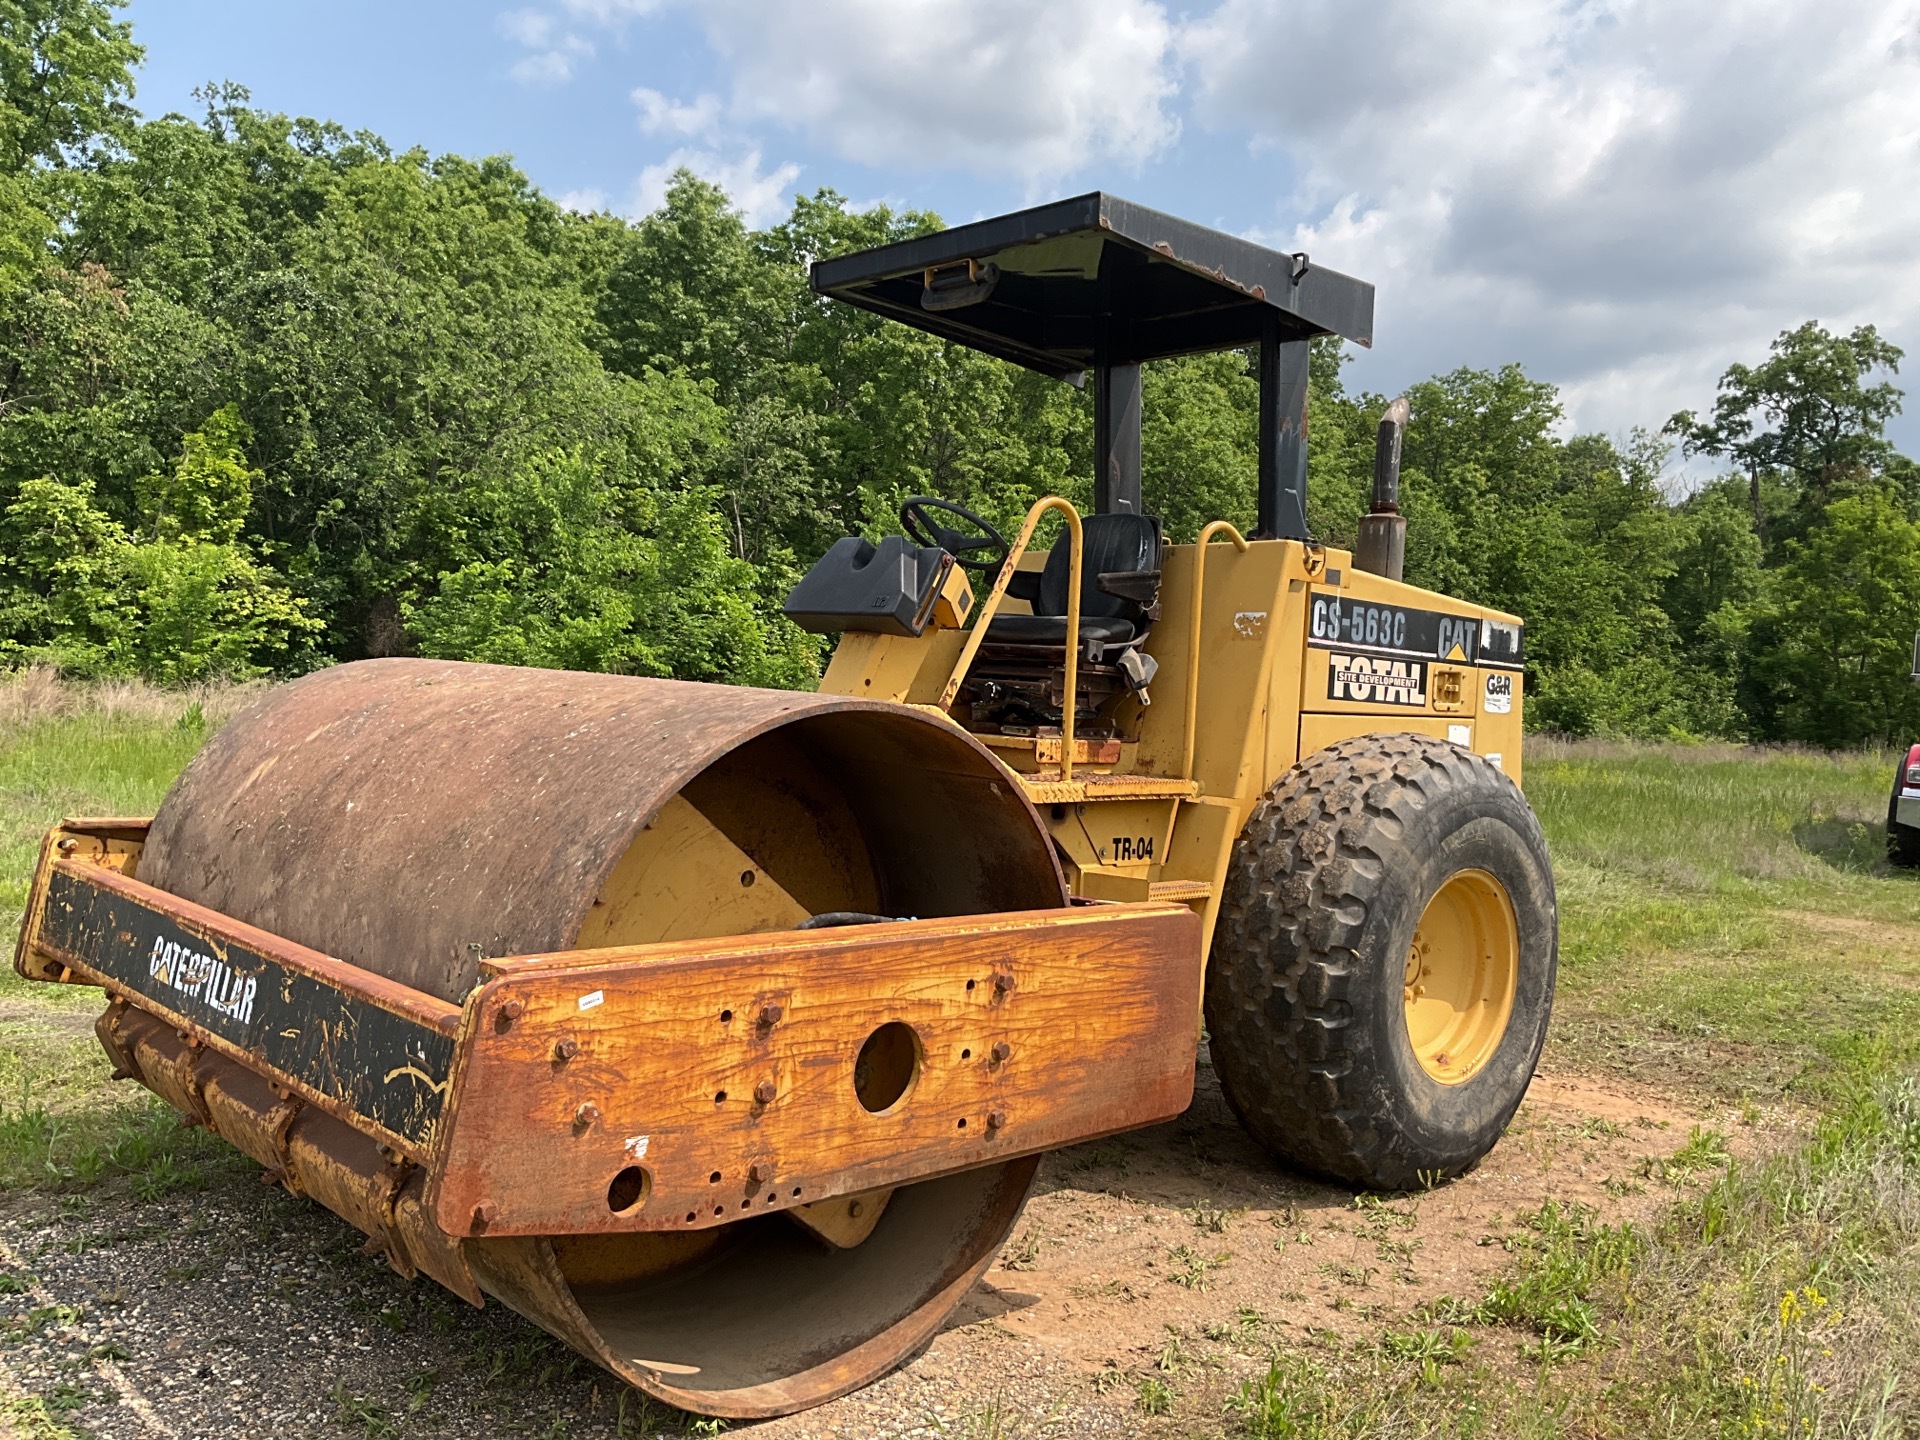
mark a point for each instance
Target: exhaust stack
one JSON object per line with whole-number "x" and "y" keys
{"x": 1382, "y": 544}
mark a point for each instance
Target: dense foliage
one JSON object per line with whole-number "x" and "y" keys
{"x": 273, "y": 394}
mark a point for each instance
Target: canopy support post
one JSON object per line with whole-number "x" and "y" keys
{"x": 1116, "y": 439}
{"x": 1283, "y": 436}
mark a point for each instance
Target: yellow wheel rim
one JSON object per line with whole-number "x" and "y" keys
{"x": 1462, "y": 968}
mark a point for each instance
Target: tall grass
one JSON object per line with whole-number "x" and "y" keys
{"x": 71, "y": 749}
{"x": 106, "y": 749}
{"x": 1774, "y": 823}
{"x": 1727, "y": 914}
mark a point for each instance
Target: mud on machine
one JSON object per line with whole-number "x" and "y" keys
{"x": 720, "y": 1031}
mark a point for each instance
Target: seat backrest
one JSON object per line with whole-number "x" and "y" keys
{"x": 1115, "y": 542}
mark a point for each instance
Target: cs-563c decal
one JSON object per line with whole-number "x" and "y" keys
{"x": 1336, "y": 622}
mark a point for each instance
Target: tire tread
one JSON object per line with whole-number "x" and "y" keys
{"x": 1282, "y": 976}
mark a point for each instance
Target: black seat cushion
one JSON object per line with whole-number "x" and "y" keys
{"x": 1128, "y": 543}
{"x": 1052, "y": 629}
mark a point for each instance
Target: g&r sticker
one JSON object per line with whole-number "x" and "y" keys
{"x": 1499, "y": 694}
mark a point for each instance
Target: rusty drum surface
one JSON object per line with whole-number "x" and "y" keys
{"x": 413, "y": 817}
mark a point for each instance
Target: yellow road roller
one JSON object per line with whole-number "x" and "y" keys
{"x": 720, "y": 1031}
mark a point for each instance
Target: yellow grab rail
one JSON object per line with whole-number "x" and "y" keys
{"x": 1217, "y": 527}
{"x": 983, "y": 617}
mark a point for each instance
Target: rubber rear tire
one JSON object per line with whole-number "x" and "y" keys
{"x": 1305, "y": 1000}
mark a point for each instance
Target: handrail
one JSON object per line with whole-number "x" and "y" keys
{"x": 1216, "y": 527}
{"x": 983, "y": 617}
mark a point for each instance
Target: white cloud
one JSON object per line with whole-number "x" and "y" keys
{"x": 610, "y": 13}
{"x": 583, "y": 202}
{"x": 1626, "y": 195}
{"x": 554, "y": 53}
{"x": 550, "y": 67}
{"x": 762, "y": 196}
{"x": 1003, "y": 88}
{"x": 531, "y": 28}
{"x": 558, "y": 50}
{"x": 659, "y": 115}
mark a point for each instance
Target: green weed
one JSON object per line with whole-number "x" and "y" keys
{"x": 1212, "y": 1219}
{"x": 1297, "y": 1399}
{"x": 28, "y": 1418}
{"x": 1561, "y": 1270}
{"x": 998, "y": 1419}
{"x": 353, "y": 1412}
{"x": 1156, "y": 1396}
{"x": 1024, "y": 1253}
{"x": 1704, "y": 1150}
{"x": 1191, "y": 1268}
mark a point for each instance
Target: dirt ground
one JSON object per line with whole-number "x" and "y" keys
{"x": 242, "y": 1312}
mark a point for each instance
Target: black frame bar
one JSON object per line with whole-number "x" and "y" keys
{"x": 1116, "y": 439}
{"x": 1282, "y": 484}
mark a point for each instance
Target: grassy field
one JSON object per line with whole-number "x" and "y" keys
{"x": 1729, "y": 930}
{"x": 63, "y": 752}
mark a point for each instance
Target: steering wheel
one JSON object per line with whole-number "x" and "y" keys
{"x": 917, "y": 522}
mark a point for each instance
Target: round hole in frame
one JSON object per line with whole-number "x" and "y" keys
{"x": 887, "y": 1066}
{"x": 629, "y": 1189}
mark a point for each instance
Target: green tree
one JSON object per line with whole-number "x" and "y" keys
{"x": 1806, "y": 415}
{"x": 691, "y": 292}
{"x": 595, "y": 580}
{"x": 66, "y": 76}
{"x": 184, "y": 599}
{"x": 1845, "y": 608}
{"x": 1199, "y": 442}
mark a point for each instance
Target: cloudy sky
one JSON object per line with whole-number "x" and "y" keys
{"x": 1623, "y": 196}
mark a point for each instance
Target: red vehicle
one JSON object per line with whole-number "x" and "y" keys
{"x": 1903, "y": 806}
{"x": 1903, "y": 812}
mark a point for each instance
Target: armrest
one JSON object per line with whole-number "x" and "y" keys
{"x": 1140, "y": 586}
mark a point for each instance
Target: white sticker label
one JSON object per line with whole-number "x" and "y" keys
{"x": 1248, "y": 624}
{"x": 1494, "y": 756}
{"x": 1377, "y": 680}
{"x": 1459, "y": 734}
{"x": 1499, "y": 694}
{"x": 637, "y": 1146}
{"x": 587, "y": 1002}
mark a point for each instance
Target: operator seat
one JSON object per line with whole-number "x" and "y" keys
{"x": 1119, "y": 586}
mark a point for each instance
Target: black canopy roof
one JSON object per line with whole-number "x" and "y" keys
{"x": 1098, "y": 280}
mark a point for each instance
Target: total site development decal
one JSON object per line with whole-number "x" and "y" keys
{"x": 1499, "y": 694}
{"x": 1377, "y": 680}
